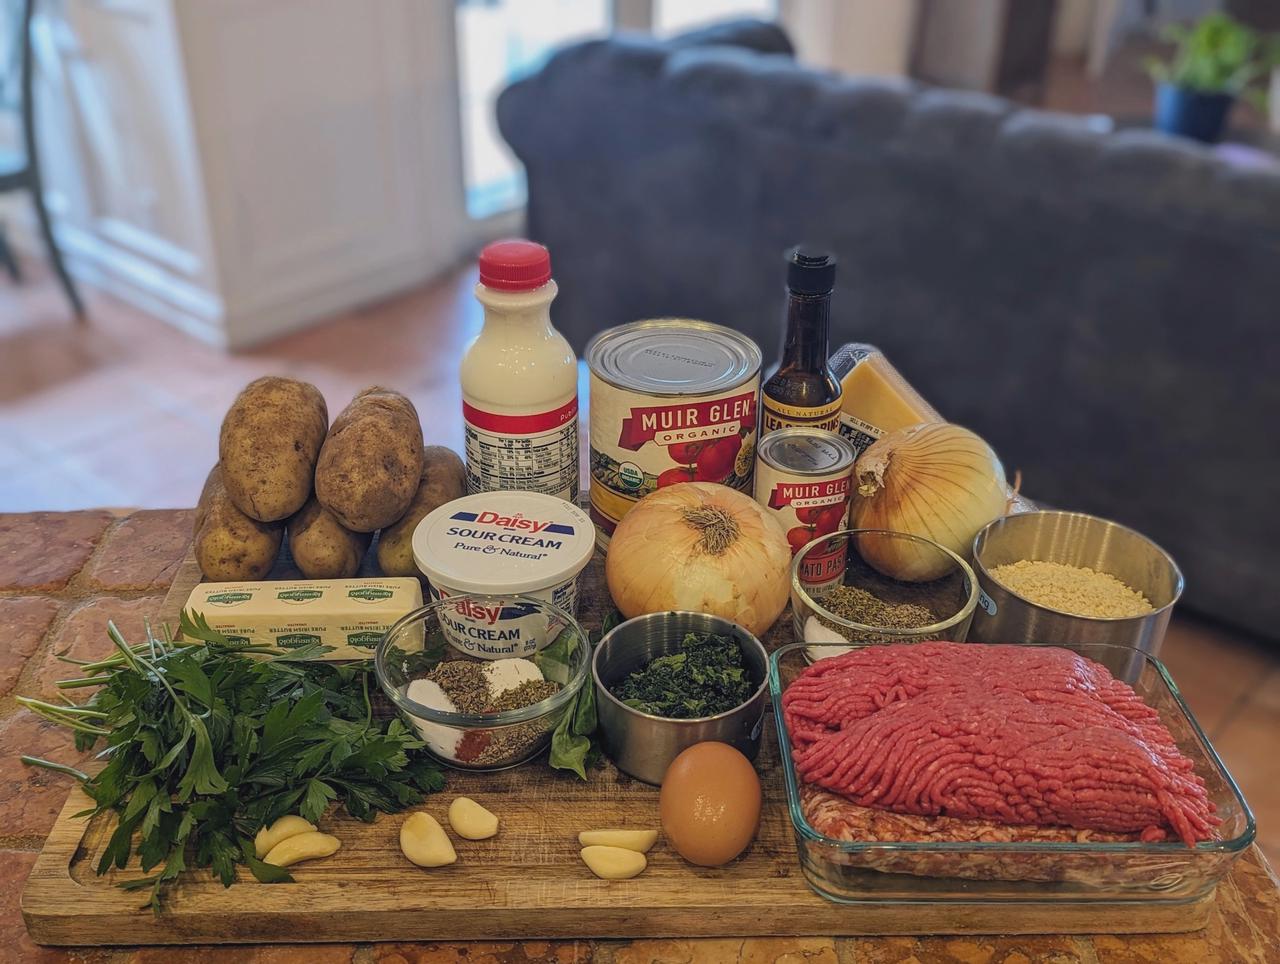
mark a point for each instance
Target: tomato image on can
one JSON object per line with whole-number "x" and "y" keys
{"x": 672, "y": 400}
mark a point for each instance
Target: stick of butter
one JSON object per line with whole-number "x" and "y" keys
{"x": 349, "y": 615}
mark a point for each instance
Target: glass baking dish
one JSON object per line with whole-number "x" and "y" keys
{"x": 1035, "y": 871}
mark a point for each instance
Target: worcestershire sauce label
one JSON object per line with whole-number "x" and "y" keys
{"x": 775, "y": 415}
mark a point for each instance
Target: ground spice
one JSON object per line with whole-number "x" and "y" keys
{"x": 871, "y": 598}
{"x": 1079, "y": 591}
{"x": 526, "y": 694}
{"x": 857, "y": 605}
{"x": 466, "y": 684}
{"x": 511, "y": 742}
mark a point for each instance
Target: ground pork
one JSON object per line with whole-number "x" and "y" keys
{"x": 1030, "y": 736}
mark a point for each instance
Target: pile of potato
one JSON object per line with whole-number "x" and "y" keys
{"x": 282, "y": 469}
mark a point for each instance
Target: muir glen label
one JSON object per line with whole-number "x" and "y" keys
{"x": 641, "y": 447}
{"x": 804, "y": 477}
{"x": 672, "y": 401}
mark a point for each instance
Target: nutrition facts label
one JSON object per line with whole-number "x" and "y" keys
{"x": 530, "y": 453}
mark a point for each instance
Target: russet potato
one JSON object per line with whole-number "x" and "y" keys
{"x": 370, "y": 464}
{"x": 229, "y": 545}
{"x": 268, "y": 446}
{"x": 444, "y": 478}
{"x": 321, "y": 546}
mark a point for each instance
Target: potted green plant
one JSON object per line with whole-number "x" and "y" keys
{"x": 1214, "y": 61}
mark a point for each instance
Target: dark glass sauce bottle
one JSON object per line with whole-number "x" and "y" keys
{"x": 802, "y": 390}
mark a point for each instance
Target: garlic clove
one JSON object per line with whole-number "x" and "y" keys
{"x": 300, "y": 847}
{"x": 641, "y": 841}
{"x": 470, "y": 820}
{"x": 613, "y": 863}
{"x": 424, "y": 841}
{"x": 290, "y": 825}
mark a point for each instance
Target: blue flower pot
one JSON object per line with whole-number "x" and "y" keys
{"x": 1192, "y": 113}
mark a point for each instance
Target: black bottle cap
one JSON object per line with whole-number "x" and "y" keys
{"x": 810, "y": 271}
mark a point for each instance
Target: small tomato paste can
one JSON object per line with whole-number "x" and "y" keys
{"x": 805, "y": 477}
{"x": 672, "y": 400}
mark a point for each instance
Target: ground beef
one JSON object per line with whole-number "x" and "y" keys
{"x": 834, "y": 816}
{"x": 1015, "y": 735}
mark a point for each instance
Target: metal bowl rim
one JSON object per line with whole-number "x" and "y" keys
{"x": 960, "y": 615}
{"x": 980, "y": 567}
{"x": 762, "y": 689}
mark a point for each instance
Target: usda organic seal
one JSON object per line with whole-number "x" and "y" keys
{"x": 503, "y": 544}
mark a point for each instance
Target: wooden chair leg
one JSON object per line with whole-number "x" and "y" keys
{"x": 55, "y": 255}
{"x": 7, "y": 259}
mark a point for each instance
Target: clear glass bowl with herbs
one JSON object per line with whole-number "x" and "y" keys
{"x": 838, "y": 597}
{"x": 484, "y": 713}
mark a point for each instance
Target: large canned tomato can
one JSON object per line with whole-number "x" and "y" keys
{"x": 805, "y": 476}
{"x": 672, "y": 400}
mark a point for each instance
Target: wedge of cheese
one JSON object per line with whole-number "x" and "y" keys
{"x": 349, "y": 615}
{"x": 876, "y": 399}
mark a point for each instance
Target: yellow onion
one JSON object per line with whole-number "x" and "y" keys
{"x": 936, "y": 480}
{"x": 702, "y": 547}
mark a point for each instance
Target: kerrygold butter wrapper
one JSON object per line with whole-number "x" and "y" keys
{"x": 349, "y": 615}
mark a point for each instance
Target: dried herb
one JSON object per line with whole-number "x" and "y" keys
{"x": 208, "y": 741}
{"x": 857, "y": 605}
{"x": 705, "y": 676}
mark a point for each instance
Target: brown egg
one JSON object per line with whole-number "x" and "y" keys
{"x": 710, "y": 804}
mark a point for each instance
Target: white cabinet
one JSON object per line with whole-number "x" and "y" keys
{"x": 117, "y": 158}
{"x": 244, "y": 167}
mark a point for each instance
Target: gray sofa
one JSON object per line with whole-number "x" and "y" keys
{"x": 1103, "y": 307}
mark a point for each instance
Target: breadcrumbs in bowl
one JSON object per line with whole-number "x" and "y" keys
{"x": 1078, "y": 590}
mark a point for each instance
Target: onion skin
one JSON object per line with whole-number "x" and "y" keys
{"x": 938, "y": 481}
{"x": 657, "y": 563}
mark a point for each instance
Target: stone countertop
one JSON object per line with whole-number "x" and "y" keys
{"x": 63, "y": 575}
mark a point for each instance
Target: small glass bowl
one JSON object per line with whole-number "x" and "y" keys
{"x": 828, "y": 564}
{"x": 417, "y": 643}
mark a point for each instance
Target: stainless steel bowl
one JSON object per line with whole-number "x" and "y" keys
{"x": 643, "y": 745}
{"x": 1075, "y": 539}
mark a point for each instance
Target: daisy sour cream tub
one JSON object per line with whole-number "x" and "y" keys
{"x": 503, "y": 544}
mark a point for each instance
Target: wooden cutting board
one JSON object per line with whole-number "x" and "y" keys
{"x": 528, "y": 882}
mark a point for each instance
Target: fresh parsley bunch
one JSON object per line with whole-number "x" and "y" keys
{"x": 208, "y": 741}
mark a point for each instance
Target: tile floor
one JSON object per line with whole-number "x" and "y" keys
{"x": 125, "y": 412}
{"x": 68, "y": 395}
